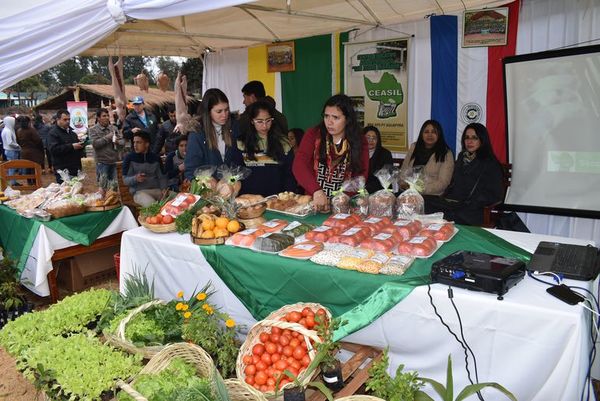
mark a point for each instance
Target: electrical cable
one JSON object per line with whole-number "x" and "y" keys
{"x": 462, "y": 335}
{"x": 450, "y": 331}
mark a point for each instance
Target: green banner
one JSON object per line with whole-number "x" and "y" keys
{"x": 306, "y": 90}
{"x": 265, "y": 282}
{"x": 17, "y": 233}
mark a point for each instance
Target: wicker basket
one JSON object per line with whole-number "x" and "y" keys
{"x": 359, "y": 398}
{"x": 158, "y": 228}
{"x": 190, "y": 353}
{"x": 252, "y": 212}
{"x": 273, "y": 320}
{"x": 239, "y": 391}
{"x": 118, "y": 339}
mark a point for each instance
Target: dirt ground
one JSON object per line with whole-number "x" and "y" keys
{"x": 13, "y": 386}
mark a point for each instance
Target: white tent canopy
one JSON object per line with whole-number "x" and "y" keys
{"x": 37, "y": 37}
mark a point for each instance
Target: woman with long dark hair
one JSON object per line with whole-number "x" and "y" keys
{"x": 431, "y": 152}
{"x": 265, "y": 150}
{"x": 476, "y": 182}
{"x": 378, "y": 157}
{"x": 212, "y": 142}
{"x": 331, "y": 152}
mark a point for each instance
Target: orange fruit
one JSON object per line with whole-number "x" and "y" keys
{"x": 207, "y": 234}
{"x": 222, "y": 222}
{"x": 208, "y": 224}
{"x": 221, "y": 232}
{"x": 233, "y": 226}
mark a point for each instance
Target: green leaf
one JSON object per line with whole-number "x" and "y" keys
{"x": 473, "y": 388}
{"x": 438, "y": 387}
{"x": 449, "y": 380}
{"x": 323, "y": 389}
{"x": 421, "y": 396}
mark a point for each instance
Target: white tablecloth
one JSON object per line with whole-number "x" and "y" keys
{"x": 39, "y": 261}
{"x": 533, "y": 344}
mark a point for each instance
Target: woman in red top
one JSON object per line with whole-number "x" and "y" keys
{"x": 331, "y": 152}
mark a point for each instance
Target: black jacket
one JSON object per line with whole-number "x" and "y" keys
{"x": 167, "y": 138}
{"x": 133, "y": 121}
{"x": 380, "y": 158}
{"x": 64, "y": 156}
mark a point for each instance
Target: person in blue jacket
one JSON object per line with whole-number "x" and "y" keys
{"x": 213, "y": 143}
{"x": 265, "y": 150}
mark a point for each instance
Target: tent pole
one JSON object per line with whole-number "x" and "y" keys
{"x": 199, "y": 35}
{"x": 306, "y": 14}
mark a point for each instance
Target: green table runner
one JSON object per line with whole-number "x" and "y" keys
{"x": 265, "y": 282}
{"x": 17, "y": 233}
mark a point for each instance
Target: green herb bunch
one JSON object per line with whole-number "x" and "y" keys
{"x": 327, "y": 349}
{"x": 76, "y": 367}
{"x": 403, "y": 387}
{"x": 211, "y": 329}
{"x": 11, "y": 296}
{"x": 177, "y": 382}
{"x": 73, "y": 314}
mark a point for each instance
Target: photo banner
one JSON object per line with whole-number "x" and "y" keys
{"x": 377, "y": 80}
{"x": 79, "y": 116}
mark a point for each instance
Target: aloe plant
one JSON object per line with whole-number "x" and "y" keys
{"x": 447, "y": 391}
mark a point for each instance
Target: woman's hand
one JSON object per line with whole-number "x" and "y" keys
{"x": 320, "y": 201}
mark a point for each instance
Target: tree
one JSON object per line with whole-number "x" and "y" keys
{"x": 193, "y": 69}
{"x": 94, "y": 79}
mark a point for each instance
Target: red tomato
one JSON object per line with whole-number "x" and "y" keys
{"x": 321, "y": 312}
{"x": 261, "y": 366}
{"x": 159, "y": 219}
{"x": 275, "y": 330}
{"x": 249, "y": 380}
{"x": 258, "y": 349}
{"x": 191, "y": 199}
{"x": 293, "y": 371}
{"x": 305, "y": 361}
{"x": 266, "y": 358}
{"x": 294, "y": 342}
{"x": 152, "y": 220}
{"x": 288, "y": 350}
{"x": 310, "y": 322}
{"x": 306, "y": 311}
{"x": 299, "y": 353}
{"x": 271, "y": 382}
{"x": 275, "y": 337}
{"x": 281, "y": 365}
{"x": 264, "y": 388}
{"x": 284, "y": 340}
{"x": 260, "y": 378}
{"x": 286, "y": 332}
{"x": 255, "y": 359}
{"x": 183, "y": 206}
{"x": 275, "y": 358}
{"x": 250, "y": 370}
{"x": 247, "y": 359}
{"x": 168, "y": 219}
{"x": 264, "y": 337}
{"x": 270, "y": 347}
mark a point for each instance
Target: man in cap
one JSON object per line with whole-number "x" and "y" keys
{"x": 140, "y": 120}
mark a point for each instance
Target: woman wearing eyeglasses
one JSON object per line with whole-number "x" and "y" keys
{"x": 212, "y": 142}
{"x": 265, "y": 150}
{"x": 331, "y": 152}
{"x": 476, "y": 181}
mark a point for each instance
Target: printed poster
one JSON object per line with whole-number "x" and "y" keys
{"x": 376, "y": 72}
{"x": 79, "y": 117}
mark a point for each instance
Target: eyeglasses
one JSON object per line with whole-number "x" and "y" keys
{"x": 263, "y": 122}
{"x": 471, "y": 138}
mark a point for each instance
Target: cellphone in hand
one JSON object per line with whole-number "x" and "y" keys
{"x": 565, "y": 294}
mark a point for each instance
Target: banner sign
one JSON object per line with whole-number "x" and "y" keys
{"x": 377, "y": 80}
{"x": 79, "y": 117}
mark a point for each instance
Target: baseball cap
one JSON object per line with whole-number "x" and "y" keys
{"x": 138, "y": 100}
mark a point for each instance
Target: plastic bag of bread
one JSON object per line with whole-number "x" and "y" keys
{"x": 204, "y": 183}
{"x": 230, "y": 180}
{"x": 340, "y": 202}
{"x": 382, "y": 203}
{"x": 410, "y": 202}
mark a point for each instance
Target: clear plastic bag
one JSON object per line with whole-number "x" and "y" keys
{"x": 382, "y": 203}
{"x": 359, "y": 204}
{"x": 410, "y": 202}
{"x": 204, "y": 182}
{"x": 230, "y": 178}
{"x": 340, "y": 202}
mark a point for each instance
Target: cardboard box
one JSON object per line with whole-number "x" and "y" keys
{"x": 85, "y": 271}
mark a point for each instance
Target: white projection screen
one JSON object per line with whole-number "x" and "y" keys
{"x": 553, "y": 128}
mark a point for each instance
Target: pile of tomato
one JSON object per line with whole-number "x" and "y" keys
{"x": 279, "y": 350}
{"x": 159, "y": 219}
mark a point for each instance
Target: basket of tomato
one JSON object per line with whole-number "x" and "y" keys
{"x": 158, "y": 223}
{"x": 282, "y": 342}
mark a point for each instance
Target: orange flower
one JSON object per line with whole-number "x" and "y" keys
{"x": 201, "y": 296}
{"x": 230, "y": 323}
{"x": 179, "y": 306}
{"x": 187, "y": 315}
{"x": 180, "y": 294}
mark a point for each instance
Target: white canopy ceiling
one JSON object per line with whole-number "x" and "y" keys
{"x": 37, "y": 35}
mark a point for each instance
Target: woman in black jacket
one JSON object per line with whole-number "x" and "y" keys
{"x": 378, "y": 157}
{"x": 476, "y": 181}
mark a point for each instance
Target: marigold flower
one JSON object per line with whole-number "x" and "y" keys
{"x": 185, "y": 307}
{"x": 187, "y": 315}
{"x": 230, "y": 323}
{"x": 201, "y": 296}
{"x": 205, "y": 306}
{"x": 179, "y": 306}
{"x": 180, "y": 294}
{"x": 209, "y": 310}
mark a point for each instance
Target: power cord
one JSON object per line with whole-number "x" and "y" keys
{"x": 454, "y": 335}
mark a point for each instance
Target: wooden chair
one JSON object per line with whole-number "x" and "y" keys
{"x": 492, "y": 213}
{"x": 6, "y": 178}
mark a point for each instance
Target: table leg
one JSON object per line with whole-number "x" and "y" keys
{"x": 53, "y": 285}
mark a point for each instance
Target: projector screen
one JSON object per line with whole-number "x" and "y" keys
{"x": 553, "y": 127}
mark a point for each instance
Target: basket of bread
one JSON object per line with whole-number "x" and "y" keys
{"x": 292, "y": 204}
{"x": 250, "y": 206}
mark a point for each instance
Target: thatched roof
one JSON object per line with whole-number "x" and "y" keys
{"x": 95, "y": 94}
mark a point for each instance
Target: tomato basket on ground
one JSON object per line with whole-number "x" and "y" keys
{"x": 281, "y": 342}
